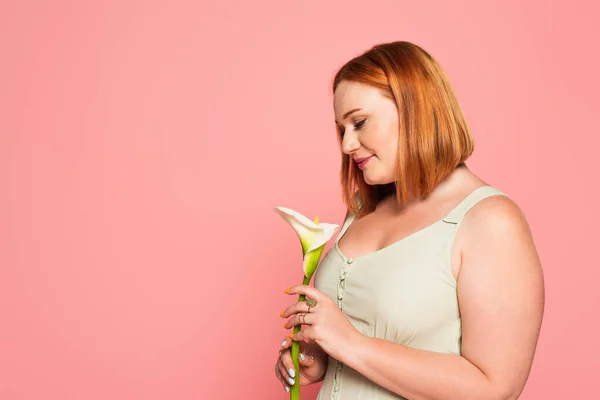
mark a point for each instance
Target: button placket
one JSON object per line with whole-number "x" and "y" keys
{"x": 338, "y": 371}
{"x": 341, "y": 287}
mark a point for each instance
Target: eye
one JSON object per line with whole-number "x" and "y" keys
{"x": 359, "y": 124}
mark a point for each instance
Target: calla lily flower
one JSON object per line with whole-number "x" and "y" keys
{"x": 312, "y": 234}
{"x": 313, "y": 237}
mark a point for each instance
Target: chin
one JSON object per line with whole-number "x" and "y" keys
{"x": 370, "y": 180}
{"x": 376, "y": 180}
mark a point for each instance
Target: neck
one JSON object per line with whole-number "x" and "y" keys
{"x": 445, "y": 188}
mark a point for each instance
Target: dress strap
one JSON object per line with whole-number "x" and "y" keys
{"x": 348, "y": 218}
{"x": 457, "y": 214}
{"x": 347, "y": 221}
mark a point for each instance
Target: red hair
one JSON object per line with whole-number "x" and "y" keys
{"x": 433, "y": 135}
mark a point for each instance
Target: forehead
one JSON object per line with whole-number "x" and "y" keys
{"x": 350, "y": 95}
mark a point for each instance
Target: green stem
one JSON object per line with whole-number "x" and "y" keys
{"x": 295, "y": 389}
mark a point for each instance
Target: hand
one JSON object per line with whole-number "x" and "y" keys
{"x": 312, "y": 368}
{"x": 325, "y": 323}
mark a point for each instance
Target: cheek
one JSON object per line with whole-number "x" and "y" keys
{"x": 376, "y": 138}
{"x": 386, "y": 149}
{"x": 385, "y": 145}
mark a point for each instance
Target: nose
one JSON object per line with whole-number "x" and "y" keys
{"x": 350, "y": 143}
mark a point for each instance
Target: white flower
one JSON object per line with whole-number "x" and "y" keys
{"x": 312, "y": 234}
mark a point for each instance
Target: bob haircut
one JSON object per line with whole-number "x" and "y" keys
{"x": 434, "y": 137}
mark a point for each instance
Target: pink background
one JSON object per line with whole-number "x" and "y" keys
{"x": 143, "y": 146}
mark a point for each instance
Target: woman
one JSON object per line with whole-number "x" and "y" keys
{"x": 433, "y": 288}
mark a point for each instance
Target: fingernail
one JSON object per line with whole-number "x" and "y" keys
{"x": 287, "y": 290}
{"x": 281, "y": 315}
{"x": 291, "y": 381}
{"x": 302, "y": 356}
{"x": 292, "y": 372}
{"x": 287, "y": 388}
{"x": 284, "y": 324}
{"x": 283, "y": 343}
{"x": 291, "y": 336}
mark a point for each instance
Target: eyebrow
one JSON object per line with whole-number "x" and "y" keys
{"x": 349, "y": 112}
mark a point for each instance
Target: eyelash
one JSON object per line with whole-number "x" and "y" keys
{"x": 356, "y": 126}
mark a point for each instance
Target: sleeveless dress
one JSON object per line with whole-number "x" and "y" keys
{"x": 404, "y": 293}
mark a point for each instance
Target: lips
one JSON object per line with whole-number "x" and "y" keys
{"x": 359, "y": 160}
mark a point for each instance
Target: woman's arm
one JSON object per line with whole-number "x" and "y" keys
{"x": 501, "y": 299}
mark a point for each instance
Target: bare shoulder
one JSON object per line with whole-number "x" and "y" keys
{"x": 493, "y": 218}
{"x": 501, "y": 293}
{"x": 495, "y": 225}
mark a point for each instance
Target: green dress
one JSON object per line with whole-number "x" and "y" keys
{"x": 404, "y": 293}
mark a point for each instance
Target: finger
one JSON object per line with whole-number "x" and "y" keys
{"x": 283, "y": 380}
{"x": 286, "y": 368}
{"x": 299, "y": 319}
{"x": 296, "y": 308}
{"x": 287, "y": 342}
{"x": 307, "y": 290}
{"x": 306, "y": 360}
{"x": 304, "y": 334}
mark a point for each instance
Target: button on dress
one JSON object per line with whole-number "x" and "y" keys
{"x": 404, "y": 293}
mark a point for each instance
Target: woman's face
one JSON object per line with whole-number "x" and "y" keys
{"x": 370, "y": 131}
